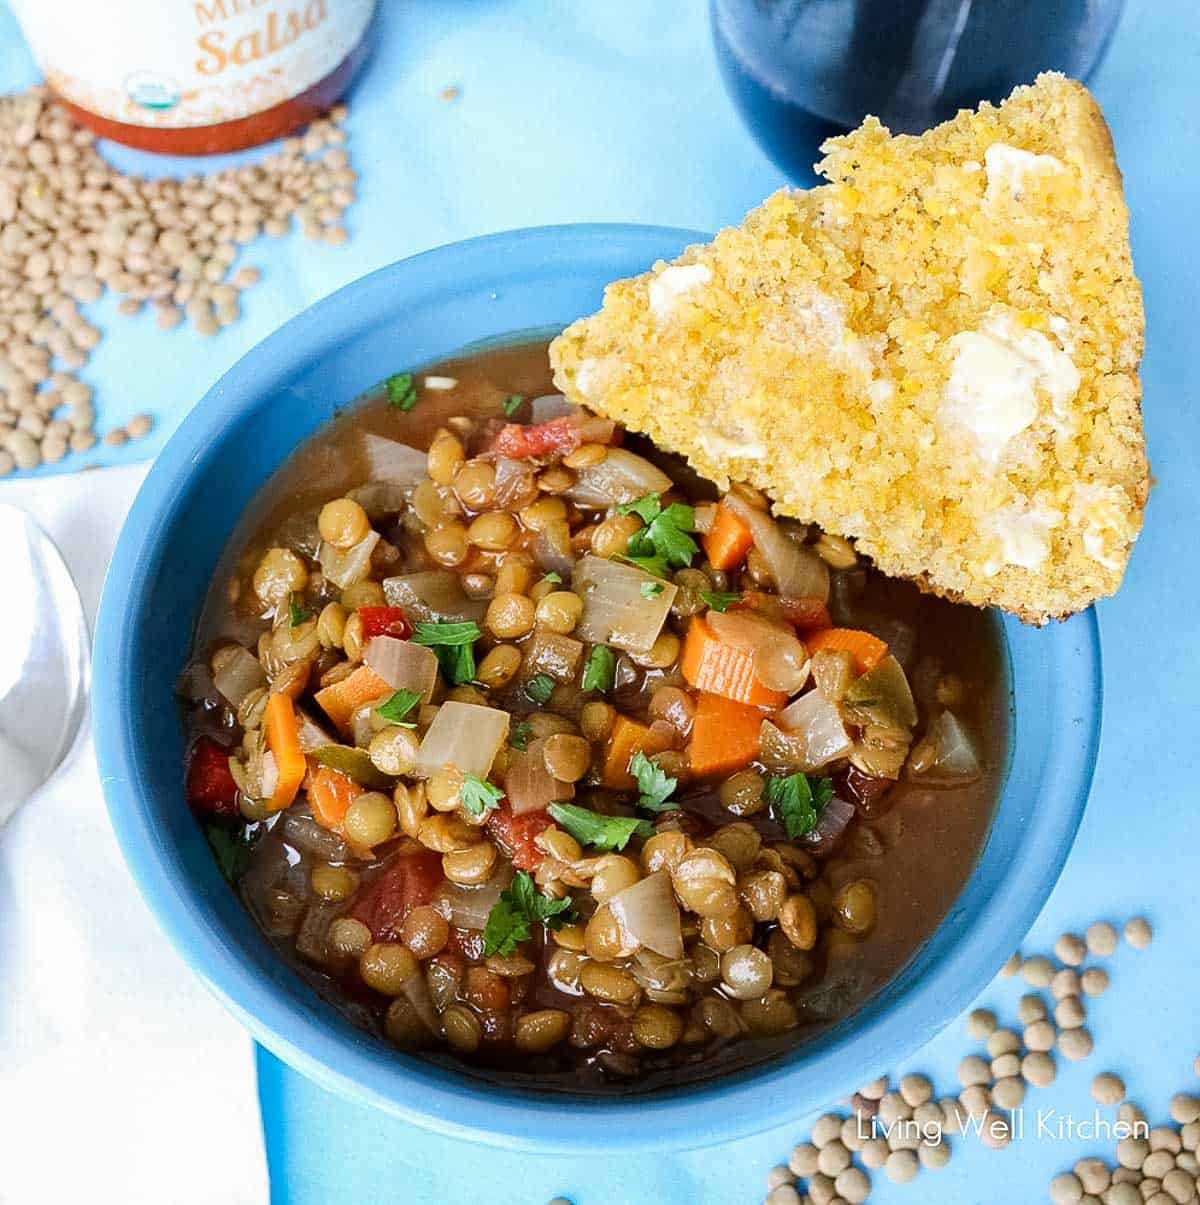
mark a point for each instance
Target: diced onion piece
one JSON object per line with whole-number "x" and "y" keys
{"x": 552, "y": 550}
{"x": 551, "y": 405}
{"x": 831, "y": 824}
{"x": 551, "y": 653}
{"x": 390, "y": 460}
{"x": 515, "y": 483}
{"x": 346, "y": 568}
{"x": 302, "y": 831}
{"x": 469, "y": 907}
{"x": 312, "y": 735}
{"x": 881, "y": 696}
{"x": 530, "y": 787}
{"x": 440, "y": 384}
{"x": 403, "y": 665}
{"x": 955, "y": 758}
{"x": 240, "y": 673}
{"x": 270, "y": 775}
{"x": 380, "y": 499}
{"x": 362, "y": 724}
{"x": 311, "y": 940}
{"x": 780, "y": 660}
{"x": 706, "y": 515}
{"x": 622, "y": 476}
{"x": 431, "y": 595}
{"x": 615, "y": 611}
{"x": 661, "y": 974}
{"x": 797, "y": 570}
{"x": 649, "y": 916}
{"x": 463, "y": 735}
{"x": 416, "y": 989}
{"x": 810, "y": 735}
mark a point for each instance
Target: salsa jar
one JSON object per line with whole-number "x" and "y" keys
{"x": 193, "y": 77}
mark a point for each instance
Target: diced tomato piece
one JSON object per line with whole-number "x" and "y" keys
{"x": 467, "y": 942}
{"x": 868, "y": 792}
{"x": 406, "y": 884}
{"x": 516, "y": 834}
{"x": 210, "y": 785}
{"x": 554, "y": 437}
{"x": 384, "y": 621}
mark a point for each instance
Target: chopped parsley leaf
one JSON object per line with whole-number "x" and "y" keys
{"x": 398, "y": 706}
{"x": 600, "y": 832}
{"x": 512, "y": 404}
{"x": 600, "y": 672}
{"x": 651, "y": 564}
{"x": 231, "y": 850}
{"x": 655, "y": 786}
{"x": 665, "y": 536}
{"x": 555, "y": 579}
{"x": 720, "y": 600}
{"x": 539, "y": 688}
{"x": 647, "y": 508}
{"x": 651, "y": 589}
{"x": 478, "y": 796}
{"x": 297, "y": 612}
{"x": 454, "y": 646}
{"x": 519, "y": 735}
{"x": 401, "y": 390}
{"x": 799, "y": 800}
{"x": 519, "y": 907}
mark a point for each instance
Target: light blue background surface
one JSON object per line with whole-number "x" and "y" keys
{"x": 613, "y": 111}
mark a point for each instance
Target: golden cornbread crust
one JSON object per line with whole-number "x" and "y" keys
{"x": 841, "y": 350}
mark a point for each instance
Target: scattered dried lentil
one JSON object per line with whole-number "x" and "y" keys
{"x": 1101, "y": 939}
{"x": 1094, "y": 982}
{"x": 1070, "y": 949}
{"x": 1031, "y": 1008}
{"x": 1108, "y": 1088}
{"x": 73, "y": 225}
{"x": 1037, "y": 971}
{"x": 981, "y": 1023}
{"x": 1075, "y": 1044}
{"x": 1138, "y": 932}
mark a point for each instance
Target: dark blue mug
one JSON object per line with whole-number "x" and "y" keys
{"x": 801, "y": 70}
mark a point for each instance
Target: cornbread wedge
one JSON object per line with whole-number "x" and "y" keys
{"x": 935, "y": 354}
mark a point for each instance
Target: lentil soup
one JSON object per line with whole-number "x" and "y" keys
{"x": 536, "y": 754}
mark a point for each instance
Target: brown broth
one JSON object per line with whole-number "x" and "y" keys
{"x": 930, "y": 838}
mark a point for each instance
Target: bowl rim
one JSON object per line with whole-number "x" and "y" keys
{"x": 877, "y": 1035}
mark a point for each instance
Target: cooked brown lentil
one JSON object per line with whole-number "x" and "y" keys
{"x": 404, "y": 820}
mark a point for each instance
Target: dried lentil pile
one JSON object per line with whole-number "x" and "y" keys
{"x": 72, "y": 225}
{"x": 822, "y": 1171}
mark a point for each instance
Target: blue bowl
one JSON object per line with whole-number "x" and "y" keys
{"x": 411, "y": 313}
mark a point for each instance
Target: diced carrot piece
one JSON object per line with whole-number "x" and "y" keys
{"x": 714, "y": 667}
{"x": 342, "y": 699}
{"x": 282, "y": 726}
{"x": 724, "y": 735}
{"x": 330, "y": 794}
{"x": 867, "y": 649}
{"x": 728, "y": 540}
{"x": 628, "y": 737}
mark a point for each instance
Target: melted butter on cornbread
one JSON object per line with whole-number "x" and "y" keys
{"x": 935, "y": 354}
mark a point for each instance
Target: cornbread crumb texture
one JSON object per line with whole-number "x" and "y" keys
{"x": 935, "y": 354}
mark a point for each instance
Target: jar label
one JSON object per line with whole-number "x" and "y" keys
{"x": 176, "y": 63}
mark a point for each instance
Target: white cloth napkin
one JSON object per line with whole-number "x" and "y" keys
{"x": 121, "y": 1078}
